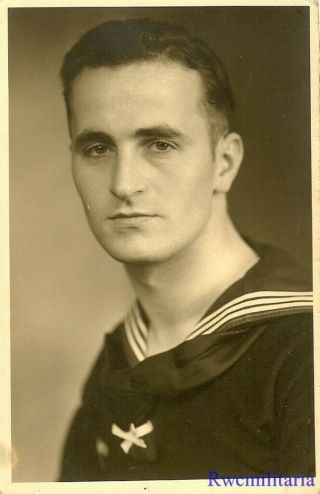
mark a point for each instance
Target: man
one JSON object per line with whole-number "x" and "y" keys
{"x": 212, "y": 368}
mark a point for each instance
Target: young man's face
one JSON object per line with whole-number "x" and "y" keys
{"x": 142, "y": 158}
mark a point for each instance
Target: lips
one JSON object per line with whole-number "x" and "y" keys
{"x": 136, "y": 220}
{"x": 130, "y": 215}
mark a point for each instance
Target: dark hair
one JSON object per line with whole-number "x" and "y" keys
{"x": 117, "y": 43}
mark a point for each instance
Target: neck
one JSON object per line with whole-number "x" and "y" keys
{"x": 175, "y": 294}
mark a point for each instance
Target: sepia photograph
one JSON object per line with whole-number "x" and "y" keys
{"x": 162, "y": 245}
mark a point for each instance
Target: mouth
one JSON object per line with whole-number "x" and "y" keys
{"x": 136, "y": 220}
{"x": 130, "y": 216}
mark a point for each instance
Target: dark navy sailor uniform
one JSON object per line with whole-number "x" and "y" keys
{"x": 236, "y": 397}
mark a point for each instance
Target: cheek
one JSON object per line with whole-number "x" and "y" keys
{"x": 78, "y": 178}
{"x": 92, "y": 186}
{"x": 204, "y": 178}
{"x": 196, "y": 185}
{"x": 198, "y": 196}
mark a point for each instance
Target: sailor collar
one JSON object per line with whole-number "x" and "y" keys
{"x": 274, "y": 287}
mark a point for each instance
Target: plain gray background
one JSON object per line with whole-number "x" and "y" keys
{"x": 65, "y": 291}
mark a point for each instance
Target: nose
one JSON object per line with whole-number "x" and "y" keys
{"x": 126, "y": 180}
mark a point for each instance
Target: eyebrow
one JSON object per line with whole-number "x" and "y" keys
{"x": 160, "y": 132}
{"x": 156, "y": 132}
{"x": 91, "y": 135}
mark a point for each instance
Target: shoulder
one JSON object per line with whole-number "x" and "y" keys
{"x": 284, "y": 351}
{"x": 109, "y": 357}
{"x": 287, "y": 336}
{"x": 292, "y": 330}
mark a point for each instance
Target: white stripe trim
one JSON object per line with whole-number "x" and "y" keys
{"x": 137, "y": 334}
{"x": 249, "y": 304}
{"x": 141, "y": 325}
{"x": 255, "y": 296}
{"x": 208, "y": 329}
{"x": 134, "y": 347}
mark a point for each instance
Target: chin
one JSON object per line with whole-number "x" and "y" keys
{"x": 134, "y": 251}
{"x": 129, "y": 252}
{"x": 129, "y": 257}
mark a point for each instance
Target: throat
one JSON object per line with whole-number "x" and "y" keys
{"x": 163, "y": 339}
{"x": 177, "y": 299}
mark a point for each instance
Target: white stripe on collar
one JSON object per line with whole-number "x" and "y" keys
{"x": 137, "y": 341}
{"x": 248, "y": 307}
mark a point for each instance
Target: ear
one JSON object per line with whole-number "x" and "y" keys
{"x": 228, "y": 158}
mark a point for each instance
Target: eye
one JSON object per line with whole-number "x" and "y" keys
{"x": 96, "y": 150}
{"x": 160, "y": 146}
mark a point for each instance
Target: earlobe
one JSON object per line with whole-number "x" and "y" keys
{"x": 229, "y": 155}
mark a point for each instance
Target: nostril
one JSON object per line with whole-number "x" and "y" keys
{"x": 123, "y": 186}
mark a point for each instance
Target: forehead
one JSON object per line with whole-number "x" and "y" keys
{"x": 131, "y": 91}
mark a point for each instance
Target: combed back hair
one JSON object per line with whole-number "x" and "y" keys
{"x": 116, "y": 43}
